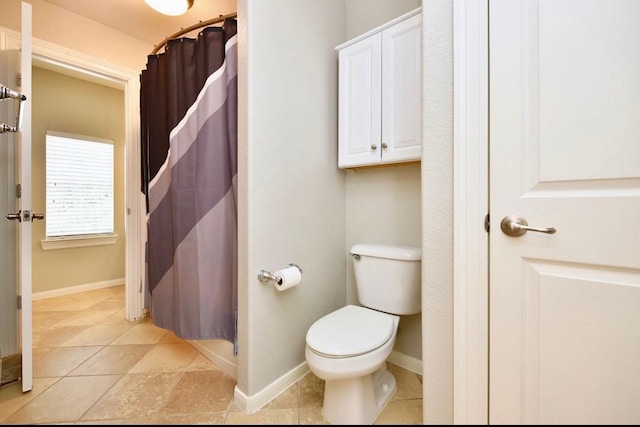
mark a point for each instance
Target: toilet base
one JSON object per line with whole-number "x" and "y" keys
{"x": 358, "y": 400}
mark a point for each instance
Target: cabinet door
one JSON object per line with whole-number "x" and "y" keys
{"x": 359, "y": 103}
{"x": 402, "y": 91}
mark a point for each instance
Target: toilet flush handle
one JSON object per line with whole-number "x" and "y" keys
{"x": 356, "y": 256}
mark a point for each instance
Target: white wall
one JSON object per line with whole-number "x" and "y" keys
{"x": 437, "y": 211}
{"x": 291, "y": 192}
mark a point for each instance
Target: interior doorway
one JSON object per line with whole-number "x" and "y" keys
{"x": 75, "y": 64}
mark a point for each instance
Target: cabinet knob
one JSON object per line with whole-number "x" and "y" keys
{"x": 384, "y": 145}
{"x": 374, "y": 147}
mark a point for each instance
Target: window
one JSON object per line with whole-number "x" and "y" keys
{"x": 79, "y": 186}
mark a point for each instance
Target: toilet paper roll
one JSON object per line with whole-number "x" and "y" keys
{"x": 291, "y": 276}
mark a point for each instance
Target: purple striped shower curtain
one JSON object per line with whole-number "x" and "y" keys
{"x": 188, "y": 109}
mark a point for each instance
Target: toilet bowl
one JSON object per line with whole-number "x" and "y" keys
{"x": 348, "y": 348}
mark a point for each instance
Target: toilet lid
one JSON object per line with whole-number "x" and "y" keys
{"x": 350, "y": 331}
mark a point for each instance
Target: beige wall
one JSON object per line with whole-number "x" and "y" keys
{"x": 66, "y": 104}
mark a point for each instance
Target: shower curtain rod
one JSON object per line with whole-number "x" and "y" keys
{"x": 190, "y": 28}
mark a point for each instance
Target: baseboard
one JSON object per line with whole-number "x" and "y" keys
{"x": 226, "y": 365}
{"x": 250, "y": 404}
{"x": 76, "y": 289}
{"x": 407, "y": 362}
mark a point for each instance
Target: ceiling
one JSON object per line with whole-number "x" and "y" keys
{"x": 135, "y": 18}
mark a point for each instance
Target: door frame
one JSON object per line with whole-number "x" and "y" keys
{"x": 92, "y": 69}
{"x": 470, "y": 206}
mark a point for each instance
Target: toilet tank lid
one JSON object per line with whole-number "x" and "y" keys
{"x": 406, "y": 253}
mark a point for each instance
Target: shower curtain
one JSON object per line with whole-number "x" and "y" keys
{"x": 188, "y": 99}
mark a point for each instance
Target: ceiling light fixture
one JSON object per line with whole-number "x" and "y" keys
{"x": 170, "y": 7}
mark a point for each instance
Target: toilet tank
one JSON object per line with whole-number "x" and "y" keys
{"x": 388, "y": 278}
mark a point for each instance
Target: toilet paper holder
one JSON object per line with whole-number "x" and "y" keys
{"x": 265, "y": 277}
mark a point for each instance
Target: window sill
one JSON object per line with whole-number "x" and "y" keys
{"x": 78, "y": 242}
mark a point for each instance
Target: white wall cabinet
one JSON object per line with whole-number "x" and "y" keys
{"x": 380, "y": 94}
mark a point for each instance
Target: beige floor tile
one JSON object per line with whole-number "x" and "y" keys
{"x": 64, "y": 303}
{"x": 312, "y": 416}
{"x": 264, "y": 417}
{"x": 201, "y": 392}
{"x": 201, "y": 363}
{"x": 124, "y": 372}
{"x": 191, "y": 419}
{"x": 96, "y": 335}
{"x": 55, "y": 337}
{"x": 134, "y": 396}
{"x": 112, "y": 359}
{"x": 45, "y": 320}
{"x": 311, "y": 391}
{"x": 290, "y": 398}
{"x": 170, "y": 338}
{"x": 64, "y": 401}
{"x": 59, "y": 361}
{"x": 409, "y": 384}
{"x": 234, "y": 408}
{"x": 109, "y": 303}
{"x": 144, "y": 332}
{"x": 12, "y": 398}
{"x": 403, "y": 412}
{"x": 119, "y": 317}
{"x": 165, "y": 357}
{"x": 85, "y": 318}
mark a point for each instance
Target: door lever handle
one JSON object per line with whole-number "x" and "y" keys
{"x": 516, "y": 226}
{"x": 15, "y": 216}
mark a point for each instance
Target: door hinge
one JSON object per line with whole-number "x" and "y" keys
{"x": 18, "y": 191}
{"x": 486, "y": 223}
{"x": 19, "y": 79}
{"x": 19, "y": 302}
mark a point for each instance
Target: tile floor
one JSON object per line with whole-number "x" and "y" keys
{"x": 91, "y": 366}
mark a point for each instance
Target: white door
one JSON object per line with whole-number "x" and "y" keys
{"x": 25, "y": 203}
{"x": 22, "y": 216}
{"x": 565, "y": 153}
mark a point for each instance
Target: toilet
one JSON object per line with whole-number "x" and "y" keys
{"x": 348, "y": 348}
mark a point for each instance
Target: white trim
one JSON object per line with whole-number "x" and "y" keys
{"x": 231, "y": 368}
{"x": 407, "y": 362}
{"x": 77, "y": 242}
{"x": 135, "y": 205}
{"x": 471, "y": 204}
{"x": 251, "y": 404}
{"x": 25, "y": 201}
{"x": 94, "y": 69}
{"x": 69, "y": 290}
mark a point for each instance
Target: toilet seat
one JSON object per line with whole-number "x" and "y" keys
{"x": 350, "y": 331}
